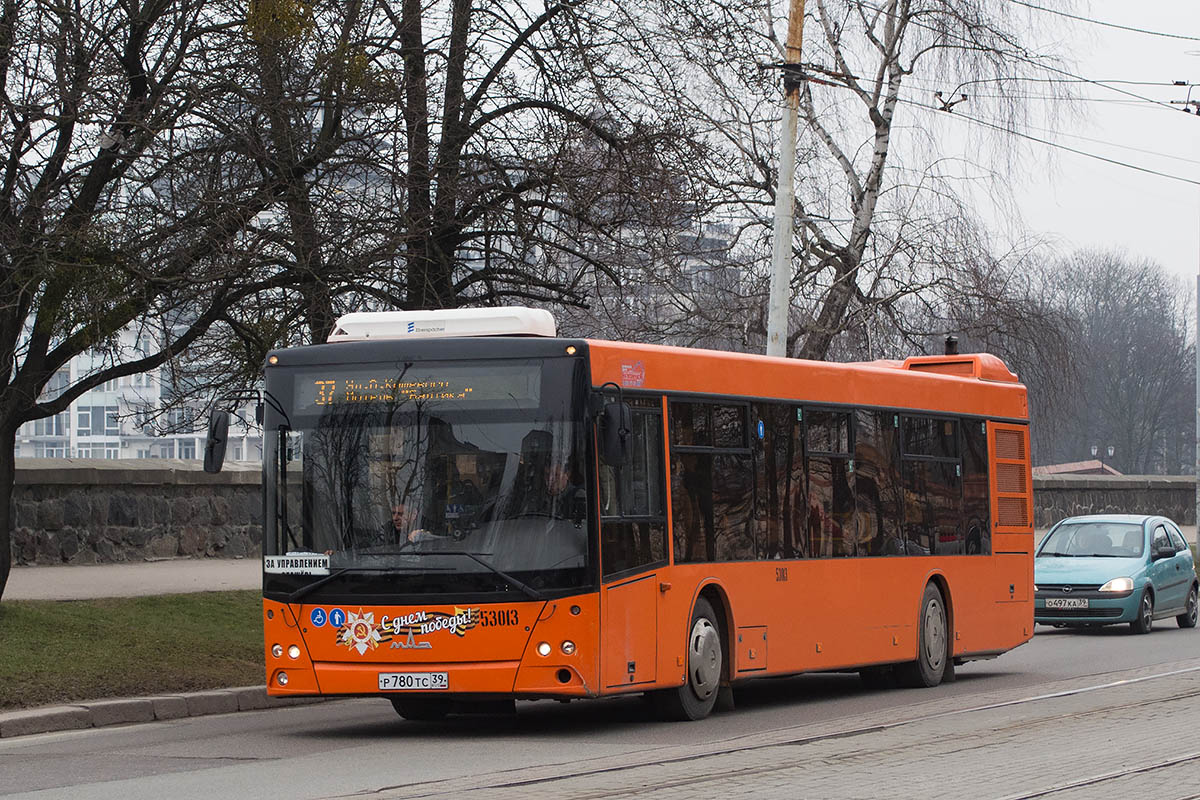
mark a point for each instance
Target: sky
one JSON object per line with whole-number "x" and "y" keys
{"x": 1081, "y": 202}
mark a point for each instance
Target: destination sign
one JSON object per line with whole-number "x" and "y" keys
{"x": 510, "y": 386}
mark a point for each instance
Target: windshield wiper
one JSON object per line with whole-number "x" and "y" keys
{"x": 509, "y": 579}
{"x": 309, "y": 587}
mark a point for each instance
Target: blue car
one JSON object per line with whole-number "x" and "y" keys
{"x": 1111, "y": 568}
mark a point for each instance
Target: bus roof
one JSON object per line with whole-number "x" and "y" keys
{"x": 972, "y": 383}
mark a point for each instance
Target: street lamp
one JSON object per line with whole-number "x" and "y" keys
{"x": 1096, "y": 449}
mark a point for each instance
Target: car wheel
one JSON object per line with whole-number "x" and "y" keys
{"x": 932, "y": 644}
{"x": 1145, "y": 617}
{"x": 1188, "y": 618}
{"x": 705, "y": 663}
{"x": 421, "y": 709}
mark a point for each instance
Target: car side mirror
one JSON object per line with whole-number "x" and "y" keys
{"x": 1164, "y": 552}
{"x": 214, "y": 443}
{"x": 616, "y": 422}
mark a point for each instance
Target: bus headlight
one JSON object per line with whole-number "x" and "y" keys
{"x": 293, "y": 652}
{"x": 568, "y": 647}
{"x": 544, "y": 648}
{"x": 1118, "y": 585}
{"x": 277, "y": 650}
{"x": 281, "y": 679}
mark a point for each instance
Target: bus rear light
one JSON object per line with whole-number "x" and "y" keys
{"x": 282, "y": 679}
{"x": 568, "y": 648}
{"x": 544, "y": 648}
{"x": 277, "y": 650}
{"x": 293, "y": 652}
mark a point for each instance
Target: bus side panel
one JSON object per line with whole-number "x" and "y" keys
{"x": 827, "y": 614}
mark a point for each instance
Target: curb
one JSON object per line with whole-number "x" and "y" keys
{"x": 99, "y": 713}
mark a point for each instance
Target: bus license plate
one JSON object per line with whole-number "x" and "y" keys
{"x": 414, "y": 681}
{"x": 1066, "y": 602}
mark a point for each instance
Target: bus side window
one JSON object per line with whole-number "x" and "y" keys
{"x": 633, "y": 526}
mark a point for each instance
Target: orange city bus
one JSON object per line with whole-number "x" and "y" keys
{"x": 462, "y": 509}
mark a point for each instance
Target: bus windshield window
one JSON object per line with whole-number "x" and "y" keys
{"x": 404, "y": 473}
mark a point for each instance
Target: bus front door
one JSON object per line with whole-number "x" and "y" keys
{"x": 630, "y": 625}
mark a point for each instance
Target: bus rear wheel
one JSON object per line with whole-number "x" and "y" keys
{"x": 932, "y": 644}
{"x": 421, "y": 709}
{"x": 705, "y": 663}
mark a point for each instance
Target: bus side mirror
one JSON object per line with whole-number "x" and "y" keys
{"x": 616, "y": 421}
{"x": 214, "y": 444}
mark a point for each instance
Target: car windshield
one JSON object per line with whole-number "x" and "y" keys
{"x": 1095, "y": 539}
{"x": 469, "y": 481}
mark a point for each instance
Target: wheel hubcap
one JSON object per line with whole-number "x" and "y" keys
{"x": 1147, "y": 610}
{"x": 935, "y": 634}
{"x": 704, "y": 659}
{"x": 1191, "y": 605}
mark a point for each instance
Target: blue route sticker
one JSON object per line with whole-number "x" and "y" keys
{"x": 318, "y": 617}
{"x": 337, "y": 618}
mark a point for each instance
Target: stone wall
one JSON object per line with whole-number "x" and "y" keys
{"x": 89, "y": 511}
{"x": 1062, "y": 496}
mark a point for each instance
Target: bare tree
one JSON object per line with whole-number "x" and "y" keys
{"x": 1133, "y": 386}
{"x": 133, "y": 182}
{"x": 880, "y": 210}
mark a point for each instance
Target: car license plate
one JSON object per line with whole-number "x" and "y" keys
{"x": 414, "y": 681}
{"x": 1066, "y": 602}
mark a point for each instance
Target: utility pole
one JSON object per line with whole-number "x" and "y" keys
{"x": 785, "y": 192}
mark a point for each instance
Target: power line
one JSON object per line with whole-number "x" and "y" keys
{"x": 1105, "y": 24}
{"x": 1080, "y": 137}
{"x": 1049, "y": 143}
{"x": 1047, "y": 67}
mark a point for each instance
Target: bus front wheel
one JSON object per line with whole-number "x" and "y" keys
{"x": 932, "y": 644}
{"x": 705, "y": 663}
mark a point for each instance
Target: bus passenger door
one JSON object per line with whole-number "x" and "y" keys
{"x": 632, "y": 546}
{"x": 630, "y": 648}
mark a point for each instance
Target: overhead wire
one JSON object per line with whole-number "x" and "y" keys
{"x": 1049, "y": 143}
{"x": 1102, "y": 23}
{"x": 1040, "y": 65}
{"x": 1108, "y": 85}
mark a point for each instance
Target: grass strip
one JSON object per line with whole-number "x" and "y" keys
{"x": 62, "y": 651}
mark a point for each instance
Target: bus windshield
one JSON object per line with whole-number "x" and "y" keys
{"x": 429, "y": 478}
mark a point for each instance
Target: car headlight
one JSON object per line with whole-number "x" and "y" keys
{"x": 1118, "y": 585}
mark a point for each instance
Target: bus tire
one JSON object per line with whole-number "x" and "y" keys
{"x": 705, "y": 664}
{"x": 932, "y": 644}
{"x": 421, "y": 709}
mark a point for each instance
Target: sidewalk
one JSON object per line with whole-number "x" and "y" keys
{"x": 135, "y": 579}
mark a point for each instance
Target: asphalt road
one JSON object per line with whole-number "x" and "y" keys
{"x": 361, "y": 746}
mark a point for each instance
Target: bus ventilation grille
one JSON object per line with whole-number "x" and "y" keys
{"x": 1012, "y": 511}
{"x": 1010, "y": 478}
{"x": 1014, "y": 495}
{"x": 1010, "y": 444}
